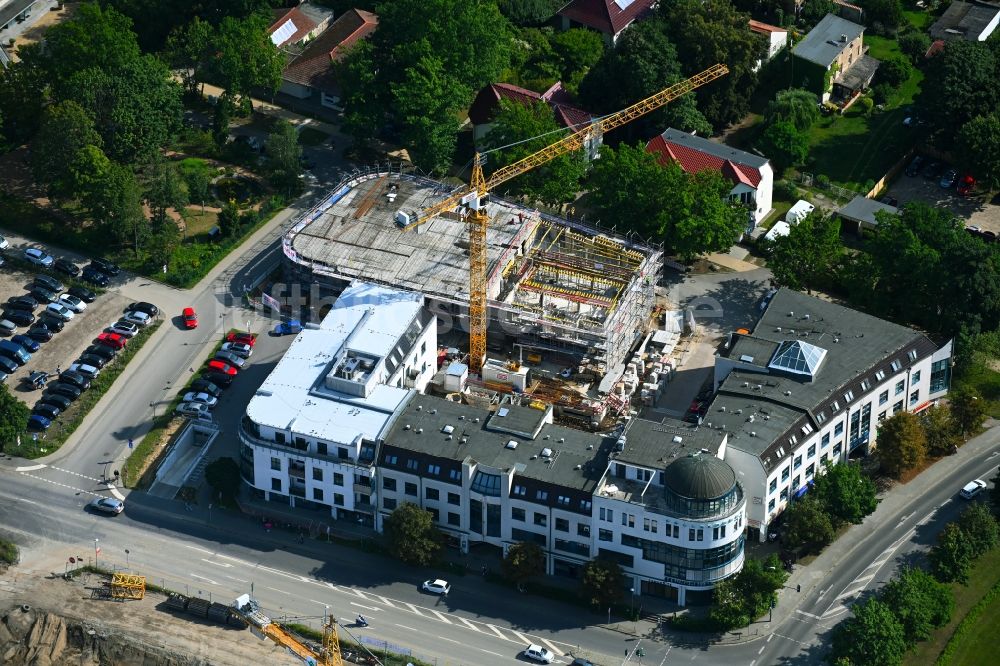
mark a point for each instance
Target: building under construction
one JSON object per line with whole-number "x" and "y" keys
{"x": 553, "y": 285}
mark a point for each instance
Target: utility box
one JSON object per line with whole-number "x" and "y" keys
{"x": 502, "y": 373}
{"x": 455, "y": 377}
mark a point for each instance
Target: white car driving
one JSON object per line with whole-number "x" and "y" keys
{"x": 436, "y": 586}
{"x": 539, "y": 654}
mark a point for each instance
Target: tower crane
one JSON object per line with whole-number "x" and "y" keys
{"x": 474, "y": 195}
{"x": 249, "y": 610}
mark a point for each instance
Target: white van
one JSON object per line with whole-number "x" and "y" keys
{"x": 798, "y": 212}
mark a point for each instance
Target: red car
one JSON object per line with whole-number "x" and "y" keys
{"x": 190, "y": 318}
{"x": 242, "y": 337}
{"x": 112, "y": 340}
{"x": 966, "y": 185}
{"x": 221, "y": 366}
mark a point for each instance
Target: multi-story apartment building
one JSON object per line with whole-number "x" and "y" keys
{"x": 310, "y": 433}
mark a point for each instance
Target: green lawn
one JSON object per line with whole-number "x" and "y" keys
{"x": 199, "y": 223}
{"x": 977, "y": 647}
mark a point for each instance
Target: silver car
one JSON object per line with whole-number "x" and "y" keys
{"x": 108, "y": 505}
{"x": 38, "y": 257}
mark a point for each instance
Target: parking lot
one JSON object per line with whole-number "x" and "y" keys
{"x": 975, "y": 209}
{"x": 65, "y": 346}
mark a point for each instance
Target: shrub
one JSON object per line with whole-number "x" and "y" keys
{"x": 786, "y": 190}
{"x": 823, "y": 181}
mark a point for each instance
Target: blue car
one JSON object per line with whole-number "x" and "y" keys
{"x": 26, "y": 342}
{"x": 288, "y": 327}
{"x": 37, "y": 422}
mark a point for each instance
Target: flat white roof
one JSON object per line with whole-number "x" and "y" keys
{"x": 366, "y": 318}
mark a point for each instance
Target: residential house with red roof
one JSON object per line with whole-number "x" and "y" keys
{"x": 487, "y": 102}
{"x": 751, "y": 175}
{"x": 310, "y": 73}
{"x": 608, "y": 17}
{"x": 294, "y": 26}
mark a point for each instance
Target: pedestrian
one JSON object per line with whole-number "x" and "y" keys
{"x": 267, "y": 527}
{"x": 302, "y": 538}
{"x": 58, "y": 369}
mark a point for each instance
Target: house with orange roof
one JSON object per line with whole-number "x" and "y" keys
{"x": 777, "y": 39}
{"x": 608, "y": 17}
{"x": 751, "y": 175}
{"x": 487, "y": 102}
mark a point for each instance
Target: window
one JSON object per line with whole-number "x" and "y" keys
{"x": 784, "y": 495}
{"x": 810, "y": 471}
{"x": 649, "y": 525}
{"x": 607, "y": 515}
{"x": 583, "y": 529}
{"x": 812, "y": 447}
{"x": 849, "y": 396}
{"x": 454, "y": 499}
{"x": 586, "y": 504}
{"x": 391, "y": 460}
{"x": 541, "y": 519}
{"x": 389, "y": 503}
{"x": 276, "y": 484}
{"x": 797, "y": 481}
{"x": 912, "y": 354}
{"x": 784, "y": 474}
{"x": 896, "y": 365}
{"x": 836, "y": 407}
{"x": 562, "y": 525}
{"x": 899, "y": 387}
{"x": 338, "y": 479}
{"x": 412, "y": 464}
{"x": 454, "y": 519}
{"x": 770, "y": 505}
{"x": 865, "y": 384}
{"x": 276, "y": 464}
{"x": 317, "y": 474}
{"x": 883, "y": 397}
{"x": 542, "y": 495}
{"x": 914, "y": 397}
{"x": 342, "y": 453}
{"x": 388, "y": 484}
{"x": 455, "y": 475}
{"x": 825, "y": 457}
{"x": 432, "y": 494}
{"x": 701, "y": 534}
{"x": 605, "y": 535}
{"x": 519, "y": 490}
{"x": 517, "y": 514}
{"x": 773, "y": 486}
{"x": 318, "y": 494}
{"x": 881, "y": 416}
{"x": 279, "y": 438}
{"x": 821, "y": 417}
{"x": 836, "y": 451}
{"x": 898, "y": 407}
{"x": 691, "y": 532}
{"x": 715, "y": 533}
{"x": 563, "y": 500}
{"x": 797, "y": 462}
{"x": 338, "y": 499}
{"x": 321, "y": 448}
{"x": 880, "y": 375}
{"x": 628, "y": 520}
{"x": 838, "y": 430}
{"x": 410, "y": 489}
{"x": 435, "y": 515}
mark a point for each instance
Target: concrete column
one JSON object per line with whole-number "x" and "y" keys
{"x": 681, "y": 596}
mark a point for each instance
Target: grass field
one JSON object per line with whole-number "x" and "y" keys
{"x": 977, "y": 646}
{"x": 199, "y": 223}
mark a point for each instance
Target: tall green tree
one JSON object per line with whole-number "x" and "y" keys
{"x": 602, "y": 583}
{"x": 902, "y": 443}
{"x": 784, "y": 145}
{"x": 806, "y": 258}
{"x": 515, "y": 125}
{"x": 979, "y": 148}
{"x": 198, "y": 183}
{"x": 846, "y": 494}
{"x": 793, "y": 105}
{"x": 939, "y": 429}
{"x": 967, "y": 409}
{"x": 894, "y": 71}
{"x": 952, "y": 556}
{"x": 886, "y": 14}
{"x": 223, "y": 474}
{"x": 806, "y": 525}
{"x": 979, "y": 525}
{"x": 919, "y": 602}
{"x": 190, "y": 48}
{"x": 154, "y": 20}
{"x": 739, "y": 600}
{"x": 959, "y": 85}
{"x": 411, "y": 535}
{"x": 914, "y": 45}
{"x": 707, "y": 220}
{"x": 524, "y": 560}
{"x": 116, "y": 203}
{"x": 284, "y": 155}
{"x": 529, "y": 12}
{"x": 247, "y": 58}
{"x": 13, "y": 419}
{"x": 65, "y": 129}
{"x": 165, "y": 189}
{"x": 873, "y": 636}
{"x": 94, "y": 38}
{"x": 23, "y": 86}
{"x": 576, "y": 50}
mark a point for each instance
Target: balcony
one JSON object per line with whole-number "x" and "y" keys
{"x": 709, "y": 577}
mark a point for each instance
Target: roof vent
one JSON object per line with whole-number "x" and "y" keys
{"x": 475, "y": 420}
{"x": 448, "y": 438}
{"x": 434, "y": 411}
{"x": 546, "y": 452}
{"x": 843, "y": 38}
{"x": 788, "y": 392}
{"x": 465, "y": 440}
{"x": 419, "y": 430}
{"x": 767, "y": 417}
{"x": 511, "y": 445}
{"x": 738, "y": 411}
{"x": 746, "y": 384}
{"x": 791, "y": 313}
{"x": 590, "y": 447}
{"x": 677, "y": 439}
{"x": 420, "y": 408}
{"x": 806, "y": 316}
{"x": 835, "y": 340}
{"x": 753, "y": 434}
{"x": 461, "y": 417}
{"x": 791, "y": 331}
{"x": 448, "y": 429}
{"x": 546, "y": 437}
{"x": 759, "y": 387}
{"x": 777, "y": 330}
{"x": 722, "y": 409}
{"x": 578, "y": 467}
{"x": 406, "y": 427}
{"x": 562, "y": 440}
{"x": 750, "y": 418}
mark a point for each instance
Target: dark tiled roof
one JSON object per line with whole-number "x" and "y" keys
{"x": 303, "y": 24}
{"x": 963, "y": 20}
{"x": 696, "y": 154}
{"x": 484, "y": 106}
{"x": 314, "y": 66}
{"x": 606, "y": 16}
{"x": 862, "y": 209}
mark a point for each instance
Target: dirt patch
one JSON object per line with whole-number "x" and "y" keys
{"x": 35, "y": 33}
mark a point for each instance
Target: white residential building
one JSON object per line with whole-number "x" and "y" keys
{"x": 777, "y": 39}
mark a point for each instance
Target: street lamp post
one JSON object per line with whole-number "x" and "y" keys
{"x": 632, "y": 611}
{"x": 126, "y": 558}
{"x": 97, "y": 550}
{"x": 152, "y": 405}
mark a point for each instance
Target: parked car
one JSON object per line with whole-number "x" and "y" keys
{"x": 973, "y": 488}
{"x": 105, "y": 266}
{"x": 95, "y": 276}
{"x": 7, "y": 327}
{"x": 194, "y": 410}
{"x": 53, "y": 323}
{"x": 125, "y": 329}
{"x": 7, "y": 365}
{"x": 59, "y": 401}
{"x": 915, "y": 166}
{"x": 138, "y": 318}
{"x": 26, "y": 342}
{"x": 92, "y": 359}
{"x": 4, "y": 244}
{"x": 890, "y": 201}
{"x": 190, "y": 318}
{"x": 14, "y": 352}
{"x": 218, "y": 378}
{"x": 60, "y": 311}
{"x": 205, "y": 386}
{"x": 201, "y": 398}
{"x": 112, "y": 340}
{"x": 49, "y": 283}
{"x": 48, "y": 411}
{"x": 539, "y": 654}
{"x": 72, "y": 302}
{"x": 221, "y": 367}
{"x": 26, "y": 303}
{"x": 288, "y": 327}
{"x": 84, "y": 294}
{"x": 242, "y": 337}
{"x": 933, "y": 170}
{"x": 43, "y": 295}
{"x": 75, "y": 378}
{"x": 241, "y": 349}
{"x": 19, "y": 317}
{"x": 66, "y": 266}
{"x": 38, "y": 257}
{"x": 37, "y": 379}
{"x": 108, "y": 505}
{"x": 38, "y": 423}
{"x": 230, "y": 358}
{"x": 104, "y": 351}
{"x": 949, "y": 179}
{"x": 88, "y": 371}
{"x": 966, "y": 185}
{"x": 65, "y": 389}
{"x": 40, "y": 332}
{"x": 142, "y": 306}
{"x": 436, "y": 586}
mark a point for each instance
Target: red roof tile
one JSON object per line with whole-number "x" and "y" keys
{"x": 314, "y": 66}
{"x": 607, "y": 16}
{"x": 484, "y": 106}
{"x": 693, "y": 161}
{"x": 764, "y": 28}
{"x": 303, "y": 24}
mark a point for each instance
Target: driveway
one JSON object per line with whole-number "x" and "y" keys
{"x": 973, "y": 210}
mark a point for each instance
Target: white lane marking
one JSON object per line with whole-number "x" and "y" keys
{"x": 207, "y": 580}
{"x": 412, "y": 608}
{"x": 386, "y": 601}
{"x": 82, "y": 476}
{"x": 29, "y": 468}
{"x": 441, "y": 616}
{"x": 321, "y": 603}
{"x": 275, "y": 589}
{"x": 26, "y": 501}
{"x": 761, "y": 650}
{"x": 357, "y": 592}
{"x": 218, "y": 564}
{"x": 769, "y": 638}
{"x": 450, "y": 640}
{"x": 468, "y": 624}
{"x": 78, "y": 491}
{"x": 498, "y": 632}
{"x": 365, "y": 607}
{"x": 492, "y": 652}
{"x": 403, "y": 626}
{"x": 753, "y": 662}
{"x": 552, "y": 647}
{"x": 200, "y": 550}
{"x": 521, "y": 637}
{"x": 238, "y": 580}
{"x": 114, "y": 491}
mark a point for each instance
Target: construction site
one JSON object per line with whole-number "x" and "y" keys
{"x": 553, "y": 286}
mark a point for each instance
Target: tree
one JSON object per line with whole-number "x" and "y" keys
{"x": 995, "y": 493}
{"x": 873, "y": 636}
{"x": 806, "y": 257}
{"x": 894, "y": 71}
{"x": 914, "y": 45}
{"x": 707, "y": 32}
{"x": 784, "y": 145}
{"x": 229, "y": 218}
{"x": 807, "y": 525}
{"x": 22, "y": 95}
{"x": 515, "y": 124}
{"x": 246, "y": 56}
{"x": 951, "y": 557}
{"x": 411, "y": 535}
{"x": 164, "y": 239}
{"x": 65, "y": 129}
{"x": 116, "y": 203}
{"x": 793, "y": 105}
{"x": 13, "y": 418}
{"x": 902, "y": 443}
{"x": 190, "y": 48}
{"x": 749, "y": 594}
{"x": 979, "y": 148}
{"x": 284, "y": 156}
{"x": 198, "y": 182}
{"x": 980, "y": 528}
{"x": 94, "y": 38}
{"x": 939, "y": 429}
{"x": 967, "y": 409}
{"x": 529, "y": 12}
{"x": 223, "y": 474}
{"x": 156, "y": 19}
{"x": 602, "y": 583}
{"x": 846, "y": 494}
{"x": 577, "y": 50}
{"x": 959, "y": 85}
{"x": 919, "y": 602}
{"x": 813, "y": 11}
{"x": 885, "y": 13}
{"x": 708, "y": 221}
{"x": 524, "y": 560}
{"x": 164, "y": 189}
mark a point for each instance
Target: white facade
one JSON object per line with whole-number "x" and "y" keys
{"x": 763, "y": 193}
{"x": 311, "y": 431}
